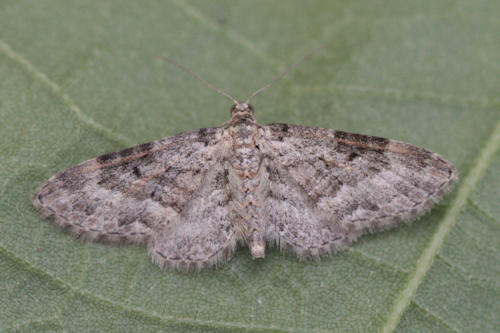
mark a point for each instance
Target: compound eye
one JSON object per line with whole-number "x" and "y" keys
{"x": 233, "y": 108}
{"x": 250, "y": 107}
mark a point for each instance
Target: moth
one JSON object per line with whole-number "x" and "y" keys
{"x": 194, "y": 196}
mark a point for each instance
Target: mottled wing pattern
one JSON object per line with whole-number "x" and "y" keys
{"x": 346, "y": 184}
{"x": 295, "y": 223}
{"x": 204, "y": 234}
{"x": 130, "y": 195}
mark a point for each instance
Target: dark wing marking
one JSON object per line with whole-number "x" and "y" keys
{"x": 127, "y": 195}
{"x": 356, "y": 183}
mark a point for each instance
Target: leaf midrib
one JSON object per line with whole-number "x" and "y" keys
{"x": 426, "y": 259}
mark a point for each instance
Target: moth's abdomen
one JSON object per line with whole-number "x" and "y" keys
{"x": 246, "y": 180}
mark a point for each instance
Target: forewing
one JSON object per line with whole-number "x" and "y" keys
{"x": 127, "y": 195}
{"x": 360, "y": 183}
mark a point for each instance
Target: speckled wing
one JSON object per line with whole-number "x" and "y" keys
{"x": 328, "y": 187}
{"x": 131, "y": 194}
{"x": 203, "y": 234}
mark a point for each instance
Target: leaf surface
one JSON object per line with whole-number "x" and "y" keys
{"x": 80, "y": 79}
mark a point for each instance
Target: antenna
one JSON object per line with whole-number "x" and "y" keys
{"x": 196, "y": 76}
{"x": 223, "y": 93}
{"x": 285, "y": 72}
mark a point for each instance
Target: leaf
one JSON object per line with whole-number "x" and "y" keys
{"x": 80, "y": 79}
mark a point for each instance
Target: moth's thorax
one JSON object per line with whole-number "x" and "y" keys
{"x": 245, "y": 153}
{"x": 248, "y": 182}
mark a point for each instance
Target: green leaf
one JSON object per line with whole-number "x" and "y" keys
{"x": 79, "y": 79}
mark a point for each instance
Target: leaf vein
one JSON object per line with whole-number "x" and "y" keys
{"x": 434, "y": 316}
{"x": 234, "y": 37}
{"x": 147, "y": 313}
{"x": 465, "y": 274}
{"x": 27, "y": 323}
{"x": 378, "y": 262}
{"x": 400, "y": 95}
{"x": 426, "y": 259}
{"x": 482, "y": 213}
{"x": 58, "y": 91}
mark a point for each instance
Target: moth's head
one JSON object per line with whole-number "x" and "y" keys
{"x": 242, "y": 110}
